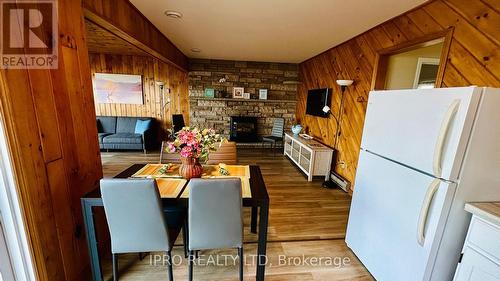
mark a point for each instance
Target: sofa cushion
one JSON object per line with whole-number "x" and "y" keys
{"x": 142, "y": 125}
{"x": 125, "y": 124}
{"x": 123, "y": 138}
{"x": 102, "y": 135}
{"x": 106, "y": 124}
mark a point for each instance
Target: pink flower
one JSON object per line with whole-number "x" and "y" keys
{"x": 187, "y": 151}
{"x": 171, "y": 147}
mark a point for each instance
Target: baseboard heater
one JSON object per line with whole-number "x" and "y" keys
{"x": 338, "y": 181}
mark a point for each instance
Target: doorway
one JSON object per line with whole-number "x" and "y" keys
{"x": 416, "y": 64}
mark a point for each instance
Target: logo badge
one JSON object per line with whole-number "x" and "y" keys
{"x": 28, "y": 34}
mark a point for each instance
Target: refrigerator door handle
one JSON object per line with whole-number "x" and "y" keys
{"x": 424, "y": 210}
{"x": 445, "y": 126}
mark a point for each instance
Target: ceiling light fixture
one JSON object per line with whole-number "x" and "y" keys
{"x": 195, "y": 50}
{"x": 173, "y": 14}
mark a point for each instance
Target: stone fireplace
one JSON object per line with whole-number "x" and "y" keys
{"x": 216, "y": 112}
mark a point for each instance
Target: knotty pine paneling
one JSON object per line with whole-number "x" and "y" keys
{"x": 473, "y": 59}
{"x": 152, "y": 70}
{"x": 49, "y": 119}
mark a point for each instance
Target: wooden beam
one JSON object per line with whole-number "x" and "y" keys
{"x": 116, "y": 17}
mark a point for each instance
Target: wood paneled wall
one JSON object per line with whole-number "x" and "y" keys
{"x": 123, "y": 19}
{"x": 473, "y": 59}
{"x": 50, "y": 124}
{"x": 152, "y": 70}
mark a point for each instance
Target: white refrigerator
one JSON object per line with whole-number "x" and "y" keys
{"x": 424, "y": 153}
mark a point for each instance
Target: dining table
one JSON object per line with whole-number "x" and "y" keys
{"x": 257, "y": 199}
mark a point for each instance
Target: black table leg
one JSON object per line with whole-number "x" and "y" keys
{"x": 261, "y": 248}
{"x": 253, "y": 222}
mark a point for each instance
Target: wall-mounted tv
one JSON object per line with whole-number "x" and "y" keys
{"x": 316, "y": 100}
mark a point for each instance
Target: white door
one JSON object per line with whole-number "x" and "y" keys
{"x": 426, "y": 129}
{"x": 384, "y": 230}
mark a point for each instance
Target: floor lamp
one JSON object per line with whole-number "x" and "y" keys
{"x": 164, "y": 102}
{"x": 338, "y": 121}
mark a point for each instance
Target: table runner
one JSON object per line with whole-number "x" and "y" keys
{"x": 172, "y": 171}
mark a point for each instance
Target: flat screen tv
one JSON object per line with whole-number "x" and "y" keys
{"x": 316, "y": 100}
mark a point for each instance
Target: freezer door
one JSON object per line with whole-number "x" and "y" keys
{"x": 392, "y": 229}
{"x": 425, "y": 129}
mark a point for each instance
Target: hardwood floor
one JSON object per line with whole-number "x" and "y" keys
{"x": 305, "y": 221}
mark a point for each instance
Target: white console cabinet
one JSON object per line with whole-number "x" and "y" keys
{"x": 481, "y": 252}
{"x": 311, "y": 156}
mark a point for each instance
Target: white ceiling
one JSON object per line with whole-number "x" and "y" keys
{"x": 267, "y": 30}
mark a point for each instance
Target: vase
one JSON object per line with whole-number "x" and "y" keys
{"x": 296, "y": 129}
{"x": 190, "y": 168}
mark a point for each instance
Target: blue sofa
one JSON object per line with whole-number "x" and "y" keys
{"x": 120, "y": 133}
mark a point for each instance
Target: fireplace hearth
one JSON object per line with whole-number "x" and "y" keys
{"x": 243, "y": 129}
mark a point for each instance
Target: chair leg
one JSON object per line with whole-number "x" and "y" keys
{"x": 190, "y": 261}
{"x": 170, "y": 267}
{"x": 142, "y": 255}
{"x": 115, "y": 267}
{"x": 185, "y": 237}
{"x": 241, "y": 257}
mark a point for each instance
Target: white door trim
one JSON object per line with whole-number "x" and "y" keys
{"x": 11, "y": 216}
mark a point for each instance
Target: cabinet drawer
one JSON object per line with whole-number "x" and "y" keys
{"x": 484, "y": 236}
{"x": 476, "y": 267}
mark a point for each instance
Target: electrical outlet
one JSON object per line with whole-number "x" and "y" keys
{"x": 342, "y": 164}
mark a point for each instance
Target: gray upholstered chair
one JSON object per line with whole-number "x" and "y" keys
{"x": 276, "y": 134}
{"x": 215, "y": 217}
{"x": 136, "y": 219}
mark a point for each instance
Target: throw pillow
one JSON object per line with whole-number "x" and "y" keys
{"x": 141, "y": 126}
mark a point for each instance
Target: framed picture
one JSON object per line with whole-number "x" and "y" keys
{"x": 209, "y": 93}
{"x": 238, "y": 92}
{"x": 118, "y": 88}
{"x": 263, "y": 94}
{"x": 426, "y": 73}
{"x": 246, "y": 96}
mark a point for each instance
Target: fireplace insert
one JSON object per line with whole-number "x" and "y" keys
{"x": 243, "y": 129}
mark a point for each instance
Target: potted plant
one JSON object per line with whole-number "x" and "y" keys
{"x": 193, "y": 146}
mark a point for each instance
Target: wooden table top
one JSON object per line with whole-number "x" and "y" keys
{"x": 257, "y": 186}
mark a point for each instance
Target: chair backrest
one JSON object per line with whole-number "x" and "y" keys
{"x": 226, "y": 153}
{"x": 166, "y": 157}
{"x": 278, "y": 127}
{"x": 215, "y": 213}
{"x": 135, "y": 215}
{"x": 177, "y": 122}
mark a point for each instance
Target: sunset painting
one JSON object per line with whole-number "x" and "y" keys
{"x": 118, "y": 88}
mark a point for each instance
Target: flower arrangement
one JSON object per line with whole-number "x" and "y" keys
{"x": 193, "y": 143}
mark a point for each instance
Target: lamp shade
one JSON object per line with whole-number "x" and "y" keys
{"x": 344, "y": 82}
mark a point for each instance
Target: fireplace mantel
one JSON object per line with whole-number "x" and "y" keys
{"x": 242, "y": 100}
